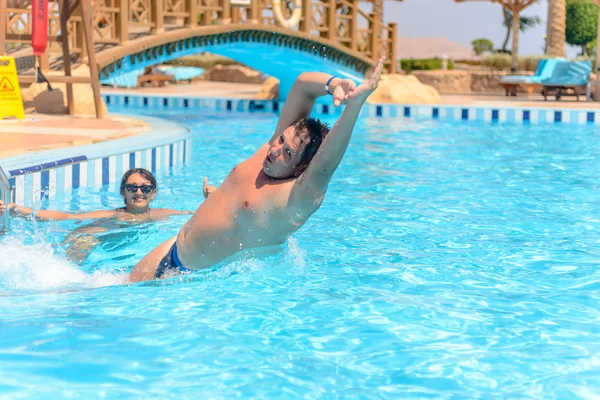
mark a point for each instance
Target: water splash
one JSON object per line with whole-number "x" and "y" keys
{"x": 36, "y": 267}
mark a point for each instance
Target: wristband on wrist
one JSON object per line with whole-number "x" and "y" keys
{"x": 327, "y": 85}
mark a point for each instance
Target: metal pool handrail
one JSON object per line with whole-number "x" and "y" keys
{"x": 6, "y": 192}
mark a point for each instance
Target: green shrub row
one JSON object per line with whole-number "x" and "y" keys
{"x": 424, "y": 64}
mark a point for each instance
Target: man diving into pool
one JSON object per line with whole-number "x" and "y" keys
{"x": 268, "y": 197}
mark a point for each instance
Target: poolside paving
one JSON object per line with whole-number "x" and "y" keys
{"x": 39, "y": 132}
{"x": 499, "y": 100}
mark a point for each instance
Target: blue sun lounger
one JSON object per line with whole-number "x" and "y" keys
{"x": 569, "y": 78}
{"x": 543, "y": 71}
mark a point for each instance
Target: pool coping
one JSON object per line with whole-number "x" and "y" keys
{"x": 441, "y": 112}
{"x": 42, "y": 174}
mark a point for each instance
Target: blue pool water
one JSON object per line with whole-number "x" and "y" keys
{"x": 448, "y": 261}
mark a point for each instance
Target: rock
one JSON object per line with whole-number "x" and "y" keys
{"x": 37, "y": 98}
{"x": 233, "y": 73}
{"x": 446, "y": 82}
{"x": 269, "y": 89}
{"x": 403, "y": 89}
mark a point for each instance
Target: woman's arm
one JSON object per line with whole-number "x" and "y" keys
{"x": 51, "y": 215}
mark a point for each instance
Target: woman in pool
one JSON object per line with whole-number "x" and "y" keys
{"x": 138, "y": 189}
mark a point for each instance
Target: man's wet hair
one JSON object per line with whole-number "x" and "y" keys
{"x": 143, "y": 172}
{"x": 311, "y": 132}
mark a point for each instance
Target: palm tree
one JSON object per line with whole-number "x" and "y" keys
{"x": 525, "y": 23}
{"x": 515, "y": 7}
{"x": 557, "y": 22}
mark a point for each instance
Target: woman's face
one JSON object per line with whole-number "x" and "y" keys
{"x": 138, "y": 193}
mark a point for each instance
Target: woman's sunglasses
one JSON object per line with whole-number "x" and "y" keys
{"x": 132, "y": 188}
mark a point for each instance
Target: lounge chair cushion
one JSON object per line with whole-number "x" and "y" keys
{"x": 570, "y": 73}
{"x": 543, "y": 71}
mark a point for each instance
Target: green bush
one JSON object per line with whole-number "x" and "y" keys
{"x": 424, "y": 64}
{"x": 582, "y": 23}
{"x": 502, "y": 62}
{"x": 482, "y": 45}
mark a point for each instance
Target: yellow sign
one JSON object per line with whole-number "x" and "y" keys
{"x": 11, "y": 104}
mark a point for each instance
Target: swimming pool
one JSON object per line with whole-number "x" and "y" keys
{"x": 449, "y": 260}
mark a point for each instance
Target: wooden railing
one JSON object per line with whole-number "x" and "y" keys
{"x": 115, "y": 22}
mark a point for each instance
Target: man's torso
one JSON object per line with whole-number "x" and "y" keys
{"x": 249, "y": 210}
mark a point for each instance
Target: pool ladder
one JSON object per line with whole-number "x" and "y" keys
{"x": 5, "y": 195}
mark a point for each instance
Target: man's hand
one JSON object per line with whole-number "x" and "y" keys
{"x": 342, "y": 91}
{"x": 208, "y": 189}
{"x": 362, "y": 92}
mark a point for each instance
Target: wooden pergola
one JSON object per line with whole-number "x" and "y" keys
{"x": 515, "y": 7}
{"x": 66, "y": 8}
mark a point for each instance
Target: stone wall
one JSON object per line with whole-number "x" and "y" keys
{"x": 465, "y": 82}
{"x": 233, "y": 73}
{"x": 446, "y": 82}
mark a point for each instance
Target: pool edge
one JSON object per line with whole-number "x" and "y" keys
{"x": 38, "y": 175}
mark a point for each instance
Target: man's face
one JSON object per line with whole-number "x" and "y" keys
{"x": 284, "y": 155}
{"x": 138, "y": 193}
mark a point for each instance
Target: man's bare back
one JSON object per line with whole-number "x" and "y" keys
{"x": 268, "y": 197}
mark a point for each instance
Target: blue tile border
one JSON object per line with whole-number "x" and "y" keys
{"x": 39, "y": 175}
{"x": 500, "y": 115}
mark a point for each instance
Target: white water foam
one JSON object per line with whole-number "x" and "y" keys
{"x": 36, "y": 267}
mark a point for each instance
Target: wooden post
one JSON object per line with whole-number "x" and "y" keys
{"x": 374, "y": 28}
{"x": 86, "y": 19}
{"x": 192, "y": 9}
{"x": 354, "y": 25}
{"x": 206, "y": 17}
{"x": 44, "y": 64}
{"x": 79, "y": 36}
{"x": 255, "y": 12}
{"x": 331, "y": 20}
{"x": 63, "y": 10}
{"x": 393, "y": 52}
{"x": 158, "y": 16}
{"x": 306, "y": 22}
{"x": 235, "y": 15}
{"x": 123, "y": 21}
{"x": 226, "y": 12}
{"x": 3, "y": 27}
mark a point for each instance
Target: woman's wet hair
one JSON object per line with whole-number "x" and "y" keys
{"x": 311, "y": 132}
{"x": 141, "y": 171}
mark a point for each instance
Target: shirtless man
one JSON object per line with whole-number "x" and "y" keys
{"x": 268, "y": 197}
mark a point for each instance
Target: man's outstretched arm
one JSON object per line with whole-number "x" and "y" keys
{"x": 312, "y": 184}
{"x": 307, "y": 88}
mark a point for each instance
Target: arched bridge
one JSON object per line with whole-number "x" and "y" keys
{"x": 336, "y": 36}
